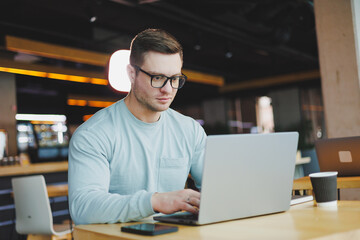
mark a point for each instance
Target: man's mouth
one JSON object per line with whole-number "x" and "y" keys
{"x": 163, "y": 99}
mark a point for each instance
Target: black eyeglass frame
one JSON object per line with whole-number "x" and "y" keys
{"x": 181, "y": 84}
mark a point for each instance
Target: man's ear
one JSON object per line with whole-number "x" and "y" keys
{"x": 131, "y": 73}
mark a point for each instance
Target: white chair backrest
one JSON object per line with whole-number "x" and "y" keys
{"x": 32, "y": 206}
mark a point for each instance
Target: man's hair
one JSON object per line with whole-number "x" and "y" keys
{"x": 156, "y": 40}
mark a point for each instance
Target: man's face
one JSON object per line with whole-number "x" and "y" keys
{"x": 156, "y": 99}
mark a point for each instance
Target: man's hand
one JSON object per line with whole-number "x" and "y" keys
{"x": 170, "y": 202}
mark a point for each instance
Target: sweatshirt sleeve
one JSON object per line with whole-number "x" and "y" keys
{"x": 89, "y": 179}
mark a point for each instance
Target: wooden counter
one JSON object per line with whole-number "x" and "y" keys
{"x": 34, "y": 168}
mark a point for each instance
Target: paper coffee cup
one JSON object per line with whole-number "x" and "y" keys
{"x": 325, "y": 188}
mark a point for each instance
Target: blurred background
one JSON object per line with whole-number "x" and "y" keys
{"x": 253, "y": 66}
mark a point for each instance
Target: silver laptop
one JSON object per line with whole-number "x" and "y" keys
{"x": 339, "y": 154}
{"x": 244, "y": 175}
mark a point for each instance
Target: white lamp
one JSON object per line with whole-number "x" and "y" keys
{"x": 118, "y": 77}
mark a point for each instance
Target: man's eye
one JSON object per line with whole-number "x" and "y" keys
{"x": 175, "y": 78}
{"x": 158, "y": 78}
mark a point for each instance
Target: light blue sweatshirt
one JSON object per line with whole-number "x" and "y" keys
{"x": 117, "y": 162}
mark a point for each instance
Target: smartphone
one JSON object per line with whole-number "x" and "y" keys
{"x": 150, "y": 229}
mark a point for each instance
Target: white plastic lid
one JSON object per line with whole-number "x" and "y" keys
{"x": 323, "y": 174}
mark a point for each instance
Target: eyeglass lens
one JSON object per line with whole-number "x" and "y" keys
{"x": 159, "y": 81}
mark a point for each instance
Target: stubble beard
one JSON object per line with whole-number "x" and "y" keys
{"x": 148, "y": 105}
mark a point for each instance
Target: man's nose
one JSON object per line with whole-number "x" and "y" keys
{"x": 167, "y": 88}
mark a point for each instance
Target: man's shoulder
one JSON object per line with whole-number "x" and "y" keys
{"x": 185, "y": 127}
{"x": 102, "y": 119}
{"x": 177, "y": 115}
{"x": 181, "y": 120}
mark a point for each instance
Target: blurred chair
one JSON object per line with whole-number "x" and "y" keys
{"x": 33, "y": 212}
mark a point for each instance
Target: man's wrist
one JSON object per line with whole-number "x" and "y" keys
{"x": 154, "y": 202}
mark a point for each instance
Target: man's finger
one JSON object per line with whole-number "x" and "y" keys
{"x": 189, "y": 208}
{"x": 193, "y": 201}
{"x": 194, "y": 194}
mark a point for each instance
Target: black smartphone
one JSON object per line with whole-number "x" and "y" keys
{"x": 150, "y": 229}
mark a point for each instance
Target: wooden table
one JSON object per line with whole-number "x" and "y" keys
{"x": 303, "y": 221}
{"x": 304, "y": 183}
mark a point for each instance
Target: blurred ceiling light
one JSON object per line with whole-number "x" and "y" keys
{"x": 57, "y": 76}
{"x": 41, "y": 117}
{"x": 118, "y": 77}
{"x": 86, "y": 117}
{"x": 90, "y": 103}
{"x": 76, "y": 102}
{"x": 59, "y": 127}
{"x": 198, "y": 41}
{"x": 197, "y": 47}
{"x": 228, "y": 50}
{"x": 100, "y": 104}
{"x": 228, "y": 54}
{"x": 23, "y": 128}
{"x": 93, "y": 19}
{"x": 98, "y": 81}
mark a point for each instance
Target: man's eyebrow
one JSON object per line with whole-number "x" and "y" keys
{"x": 156, "y": 73}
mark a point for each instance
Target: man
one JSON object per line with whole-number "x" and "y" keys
{"x": 133, "y": 158}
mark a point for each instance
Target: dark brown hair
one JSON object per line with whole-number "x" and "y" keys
{"x": 156, "y": 40}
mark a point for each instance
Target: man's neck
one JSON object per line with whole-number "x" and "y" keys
{"x": 139, "y": 111}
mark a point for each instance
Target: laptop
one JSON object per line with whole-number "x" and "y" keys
{"x": 244, "y": 175}
{"x": 339, "y": 154}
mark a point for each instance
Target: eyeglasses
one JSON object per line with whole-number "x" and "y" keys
{"x": 159, "y": 81}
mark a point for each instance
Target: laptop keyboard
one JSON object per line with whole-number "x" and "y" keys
{"x": 188, "y": 216}
{"x": 182, "y": 218}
